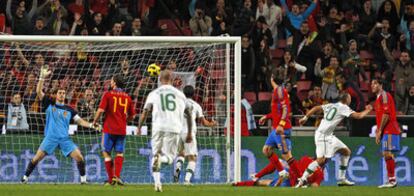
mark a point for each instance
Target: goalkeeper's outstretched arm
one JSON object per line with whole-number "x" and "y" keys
{"x": 87, "y": 124}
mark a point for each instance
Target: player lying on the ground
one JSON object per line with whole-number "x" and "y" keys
{"x": 58, "y": 117}
{"x": 118, "y": 108}
{"x": 189, "y": 150}
{"x": 326, "y": 142}
{"x": 313, "y": 180}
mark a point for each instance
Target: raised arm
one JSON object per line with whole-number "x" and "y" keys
{"x": 8, "y": 11}
{"x": 310, "y": 9}
{"x": 33, "y": 10}
{"x": 285, "y": 7}
{"x": 44, "y": 72}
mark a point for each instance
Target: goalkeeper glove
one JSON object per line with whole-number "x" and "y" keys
{"x": 44, "y": 72}
{"x": 96, "y": 126}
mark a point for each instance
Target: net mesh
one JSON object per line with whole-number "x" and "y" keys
{"x": 84, "y": 69}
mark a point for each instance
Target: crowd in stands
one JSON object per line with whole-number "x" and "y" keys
{"x": 323, "y": 47}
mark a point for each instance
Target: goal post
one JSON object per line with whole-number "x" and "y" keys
{"x": 80, "y": 63}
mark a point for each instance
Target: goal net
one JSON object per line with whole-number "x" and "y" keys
{"x": 84, "y": 67}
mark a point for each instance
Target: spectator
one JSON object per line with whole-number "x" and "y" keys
{"x": 244, "y": 19}
{"x": 330, "y": 90}
{"x": 328, "y": 51}
{"x": 50, "y": 8}
{"x": 78, "y": 26}
{"x": 200, "y": 23}
{"x": 40, "y": 28}
{"x": 21, "y": 22}
{"x": 262, "y": 9}
{"x": 404, "y": 74}
{"x": 137, "y": 29}
{"x": 261, "y": 32}
{"x": 87, "y": 105}
{"x": 407, "y": 38}
{"x": 222, "y": 18}
{"x": 348, "y": 86}
{"x": 263, "y": 67}
{"x": 116, "y": 30}
{"x": 129, "y": 74}
{"x": 367, "y": 18}
{"x": 248, "y": 62}
{"x": 352, "y": 64}
{"x": 295, "y": 106}
{"x": 410, "y": 102}
{"x": 381, "y": 31}
{"x": 293, "y": 69}
{"x": 296, "y": 18}
{"x": 58, "y": 22}
{"x": 388, "y": 11}
{"x": 30, "y": 96}
{"x": 16, "y": 115}
{"x": 314, "y": 99}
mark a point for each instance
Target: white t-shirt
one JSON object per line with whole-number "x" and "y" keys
{"x": 168, "y": 105}
{"x": 196, "y": 112}
{"x": 333, "y": 113}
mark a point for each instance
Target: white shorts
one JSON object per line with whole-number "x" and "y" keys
{"x": 165, "y": 143}
{"x": 188, "y": 148}
{"x": 327, "y": 145}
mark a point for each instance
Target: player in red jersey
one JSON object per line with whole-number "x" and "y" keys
{"x": 388, "y": 130}
{"x": 314, "y": 180}
{"x": 280, "y": 135}
{"x": 119, "y": 109}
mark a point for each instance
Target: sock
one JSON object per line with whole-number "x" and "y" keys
{"x": 342, "y": 168}
{"x": 119, "y": 160}
{"x": 81, "y": 168}
{"x": 293, "y": 167}
{"x": 245, "y": 183}
{"x": 157, "y": 177}
{"x": 190, "y": 170}
{"x": 179, "y": 163}
{"x": 311, "y": 168}
{"x": 274, "y": 164}
{"x": 390, "y": 169}
{"x": 30, "y": 168}
{"x": 109, "y": 169}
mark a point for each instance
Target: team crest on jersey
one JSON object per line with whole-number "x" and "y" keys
{"x": 53, "y": 109}
{"x": 65, "y": 113}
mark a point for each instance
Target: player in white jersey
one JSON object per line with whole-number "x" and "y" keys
{"x": 168, "y": 106}
{"x": 326, "y": 142}
{"x": 189, "y": 150}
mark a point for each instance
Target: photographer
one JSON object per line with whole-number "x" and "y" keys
{"x": 200, "y": 23}
{"x": 16, "y": 115}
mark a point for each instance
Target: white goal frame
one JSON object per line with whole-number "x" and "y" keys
{"x": 179, "y": 39}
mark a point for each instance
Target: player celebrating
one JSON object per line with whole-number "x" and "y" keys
{"x": 118, "y": 108}
{"x": 388, "y": 130}
{"x": 168, "y": 105}
{"x": 189, "y": 150}
{"x": 279, "y": 137}
{"x": 314, "y": 180}
{"x": 58, "y": 117}
{"x": 326, "y": 143}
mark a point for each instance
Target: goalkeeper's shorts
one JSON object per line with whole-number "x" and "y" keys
{"x": 66, "y": 145}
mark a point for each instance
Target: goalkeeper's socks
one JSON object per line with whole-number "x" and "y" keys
{"x": 119, "y": 160}
{"x": 109, "y": 169}
{"x": 81, "y": 168}
{"x": 342, "y": 168}
{"x": 311, "y": 168}
{"x": 30, "y": 168}
{"x": 390, "y": 168}
{"x": 190, "y": 171}
{"x": 245, "y": 183}
{"x": 293, "y": 166}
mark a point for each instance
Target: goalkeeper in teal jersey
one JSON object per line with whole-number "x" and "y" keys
{"x": 58, "y": 117}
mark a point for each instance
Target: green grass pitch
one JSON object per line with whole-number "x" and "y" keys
{"x": 197, "y": 190}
